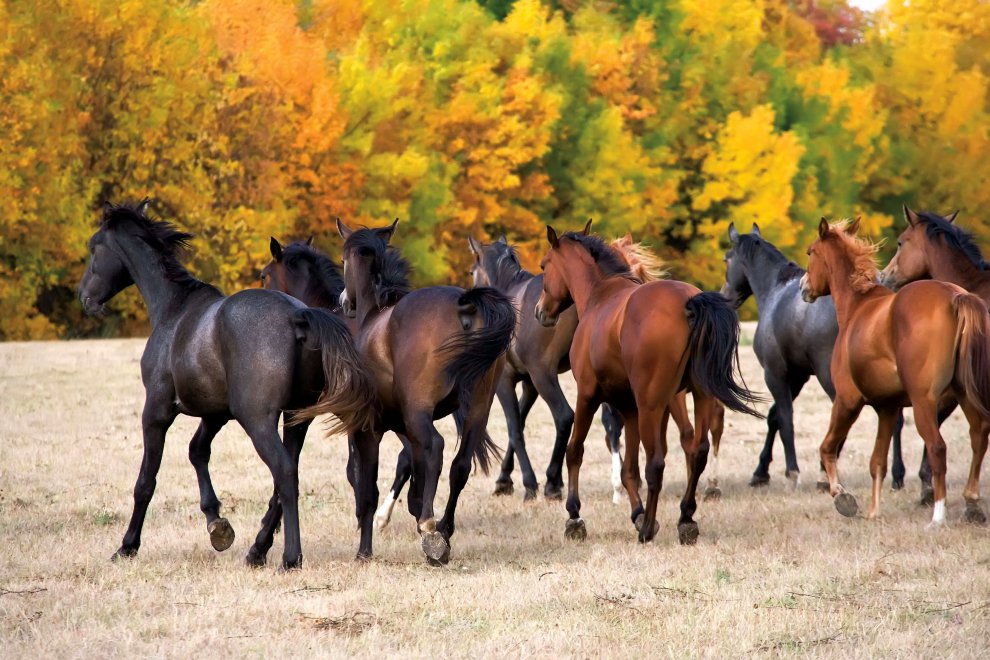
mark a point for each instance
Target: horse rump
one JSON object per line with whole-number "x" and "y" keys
{"x": 349, "y": 392}
{"x": 713, "y": 355}
{"x": 972, "y": 351}
{"x": 489, "y": 321}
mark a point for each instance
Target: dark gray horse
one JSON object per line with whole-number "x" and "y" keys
{"x": 250, "y": 357}
{"x": 793, "y": 341}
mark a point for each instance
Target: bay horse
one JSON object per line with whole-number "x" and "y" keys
{"x": 914, "y": 347}
{"x": 636, "y": 346}
{"x": 432, "y": 352}
{"x": 793, "y": 341}
{"x": 539, "y": 354}
{"x": 934, "y": 247}
{"x": 250, "y": 357}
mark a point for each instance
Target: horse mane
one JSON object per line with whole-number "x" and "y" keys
{"x": 162, "y": 236}
{"x": 749, "y": 245}
{"x": 502, "y": 265}
{"x": 862, "y": 252}
{"x": 644, "y": 264}
{"x": 326, "y": 271}
{"x": 391, "y": 270}
{"x": 607, "y": 259}
{"x": 955, "y": 237}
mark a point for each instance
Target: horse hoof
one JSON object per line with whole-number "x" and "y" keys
{"x": 617, "y": 497}
{"x": 436, "y": 548}
{"x": 845, "y": 504}
{"x": 552, "y": 492}
{"x": 644, "y": 537}
{"x": 291, "y": 564}
{"x": 897, "y": 484}
{"x": 124, "y": 553}
{"x": 575, "y": 530}
{"x": 687, "y": 533}
{"x": 713, "y": 493}
{"x": 530, "y": 495}
{"x": 974, "y": 514}
{"x": 362, "y": 558}
{"x": 503, "y": 488}
{"x": 255, "y": 559}
{"x": 927, "y": 496}
{"x": 822, "y": 486}
{"x": 758, "y": 480}
{"x": 221, "y": 534}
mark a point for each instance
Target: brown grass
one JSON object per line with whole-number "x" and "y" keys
{"x": 775, "y": 572}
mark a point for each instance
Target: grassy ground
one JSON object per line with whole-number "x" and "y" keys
{"x": 775, "y": 572}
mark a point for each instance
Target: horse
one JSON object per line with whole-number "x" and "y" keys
{"x": 250, "y": 357}
{"x": 914, "y": 347}
{"x": 636, "y": 345}
{"x": 539, "y": 354}
{"x": 934, "y": 247}
{"x": 432, "y": 351}
{"x": 306, "y": 273}
{"x": 793, "y": 341}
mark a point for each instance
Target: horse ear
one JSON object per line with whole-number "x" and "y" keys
{"x": 627, "y": 239}
{"x": 309, "y": 241}
{"x": 733, "y": 234}
{"x": 503, "y": 240}
{"x": 276, "y": 248}
{"x": 387, "y": 232}
{"x": 344, "y": 231}
{"x": 587, "y": 228}
{"x": 823, "y": 228}
{"x": 853, "y": 227}
{"x": 755, "y": 231}
{"x": 552, "y": 236}
{"x": 911, "y": 216}
{"x": 951, "y": 217}
{"x": 143, "y": 206}
{"x": 475, "y": 246}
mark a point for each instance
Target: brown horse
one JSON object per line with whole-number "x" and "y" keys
{"x": 913, "y": 347}
{"x": 432, "y": 352}
{"x": 933, "y": 247}
{"x": 636, "y": 346}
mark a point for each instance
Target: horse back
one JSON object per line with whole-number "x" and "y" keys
{"x": 655, "y": 331}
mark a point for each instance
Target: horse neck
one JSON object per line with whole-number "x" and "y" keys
{"x": 958, "y": 269}
{"x": 582, "y": 278}
{"x": 845, "y": 298}
{"x": 366, "y": 304}
{"x": 763, "y": 274}
{"x": 161, "y": 295}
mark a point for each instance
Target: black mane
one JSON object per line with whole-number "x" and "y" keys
{"x": 390, "y": 270}
{"x": 607, "y": 259}
{"x": 954, "y": 236}
{"x": 749, "y": 245}
{"x": 327, "y": 272}
{"x": 162, "y": 236}
{"x": 501, "y": 263}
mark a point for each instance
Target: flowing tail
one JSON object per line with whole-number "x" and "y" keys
{"x": 713, "y": 351}
{"x": 489, "y": 321}
{"x": 972, "y": 351}
{"x": 349, "y": 392}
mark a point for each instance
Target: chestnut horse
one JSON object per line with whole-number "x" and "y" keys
{"x": 932, "y": 247}
{"x": 432, "y": 352}
{"x": 635, "y": 347}
{"x": 913, "y": 347}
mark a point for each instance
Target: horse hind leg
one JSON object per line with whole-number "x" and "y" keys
{"x": 506, "y": 392}
{"x": 695, "y": 449}
{"x": 926, "y": 421}
{"x": 887, "y": 420}
{"x": 427, "y": 444}
{"x": 761, "y": 475}
{"x": 979, "y": 430}
{"x": 220, "y": 530}
{"x": 613, "y": 423}
{"x": 716, "y": 427}
{"x": 403, "y": 472}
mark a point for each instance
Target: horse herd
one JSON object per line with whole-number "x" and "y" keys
{"x": 358, "y": 342}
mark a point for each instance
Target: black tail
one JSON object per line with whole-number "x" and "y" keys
{"x": 489, "y": 320}
{"x": 713, "y": 353}
{"x": 349, "y": 392}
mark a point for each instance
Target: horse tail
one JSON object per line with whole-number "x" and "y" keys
{"x": 713, "y": 351}
{"x": 972, "y": 351}
{"x": 489, "y": 321}
{"x": 349, "y": 392}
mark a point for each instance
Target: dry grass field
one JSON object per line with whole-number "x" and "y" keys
{"x": 775, "y": 572}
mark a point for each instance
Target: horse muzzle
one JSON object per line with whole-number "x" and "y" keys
{"x": 806, "y": 294}
{"x": 545, "y": 319}
{"x": 92, "y": 307}
{"x": 346, "y": 306}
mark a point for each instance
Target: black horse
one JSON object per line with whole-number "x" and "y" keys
{"x": 793, "y": 341}
{"x": 250, "y": 357}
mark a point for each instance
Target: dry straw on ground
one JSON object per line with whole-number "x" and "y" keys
{"x": 775, "y": 572}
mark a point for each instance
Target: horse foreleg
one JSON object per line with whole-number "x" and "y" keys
{"x": 844, "y": 414}
{"x": 506, "y": 391}
{"x": 887, "y": 420}
{"x": 155, "y": 422}
{"x": 761, "y": 475}
{"x": 366, "y": 446}
{"x": 584, "y": 413}
{"x": 897, "y": 469}
{"x": 563, "y": 419}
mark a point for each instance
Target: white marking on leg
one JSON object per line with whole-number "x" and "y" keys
{"x": 938, "y": 513}
{"x": 713, "y": 478}
{"x": 384, "y": 513}
{"x": 616, "y": 478}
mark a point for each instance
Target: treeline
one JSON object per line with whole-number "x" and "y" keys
{"x": 670, "y": 118}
